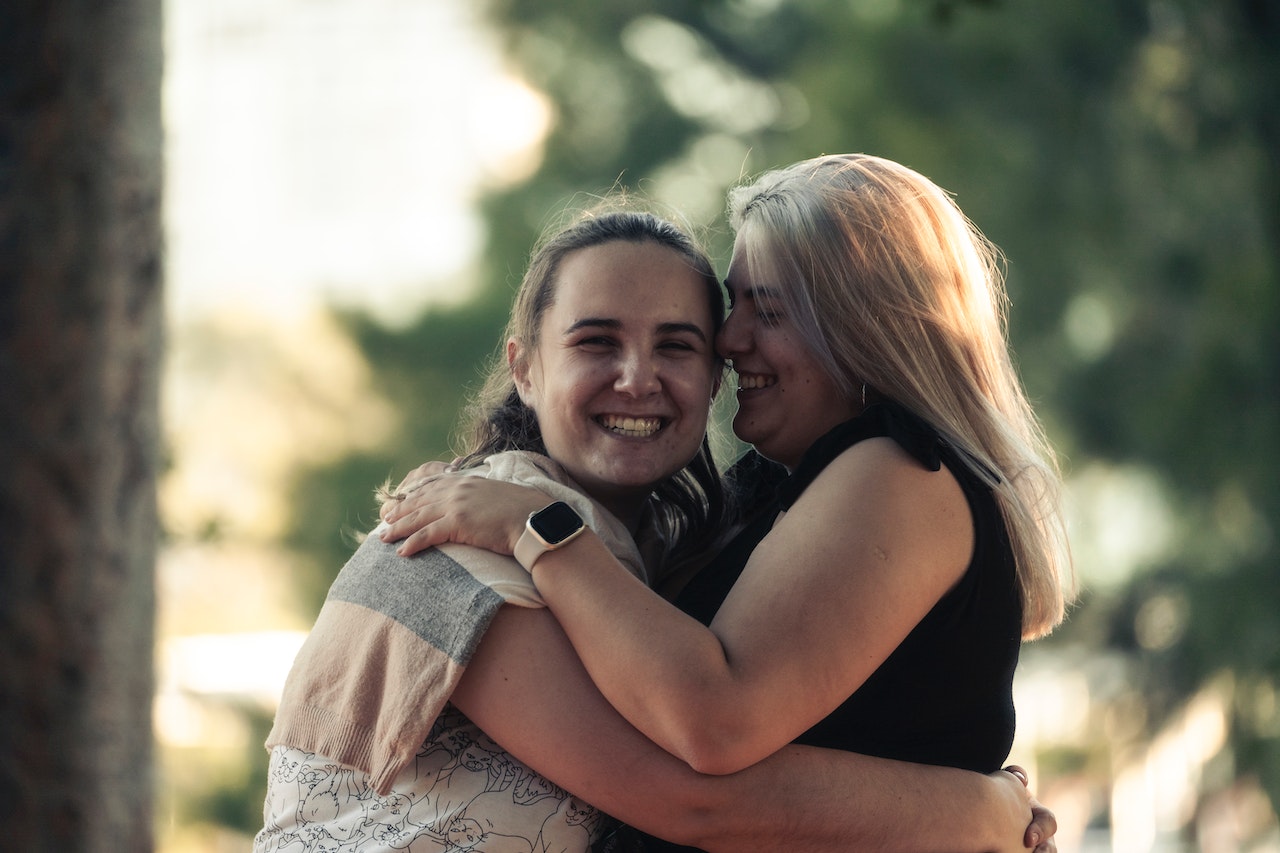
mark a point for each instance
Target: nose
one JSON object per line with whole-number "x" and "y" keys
{"x": 734, "y": 337}
{"x": 637, "y": 376}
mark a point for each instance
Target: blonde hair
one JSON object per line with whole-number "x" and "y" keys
{"x": 897, "y": 291}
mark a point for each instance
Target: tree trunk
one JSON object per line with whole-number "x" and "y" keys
{"x": 80, "y": 352}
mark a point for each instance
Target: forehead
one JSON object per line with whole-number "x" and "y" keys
{"x": 741, "y": 284}
{"x": 752, "y": 274}
{"x": 633, "y": 283}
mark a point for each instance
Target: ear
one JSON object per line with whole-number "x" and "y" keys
{"x": 518, "y": 363}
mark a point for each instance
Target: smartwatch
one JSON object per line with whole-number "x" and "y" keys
{"x": 551, "y": 527}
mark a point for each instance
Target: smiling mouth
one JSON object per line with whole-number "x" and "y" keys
{"x": 630, "y": 427}
{"x": 755, "y": 381}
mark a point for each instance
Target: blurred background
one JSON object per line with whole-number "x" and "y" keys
{"x": 353, "y": 187}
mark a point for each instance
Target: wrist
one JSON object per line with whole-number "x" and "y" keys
{"x": 547, "y": 529}
{"x": 517, "y": 522}
{"x": 1009, "y": 801}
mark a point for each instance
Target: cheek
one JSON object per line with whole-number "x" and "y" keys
{"x": 732, "y": 332}
{"x": 696, "y": 411}
{"x": 694, "y": 388}
{"x": 563, "y": 413}
{"x": 563, "y": 387}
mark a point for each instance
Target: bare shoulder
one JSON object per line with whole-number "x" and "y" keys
{"x": 876, "y": 492}
{"x": 876, "y": 468}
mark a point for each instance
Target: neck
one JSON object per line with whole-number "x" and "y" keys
{"x": 629, "y": 509}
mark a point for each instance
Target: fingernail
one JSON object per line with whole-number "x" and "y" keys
{"x": 1035, "y": 839}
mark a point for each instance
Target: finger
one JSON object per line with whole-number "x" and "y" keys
{"x": 416, "y": 477}
{"x": 390, "y": 533}
{"x": 1014, "y": 770}
{"x": 402, "y": 521}
{"x": 392, "y": 504}
{"x": 420, "y": 540}
{"x": 1044, "y": 826}
{"x": 409, "y": 487}
{"x": 407, "y": 483}
{"x": 403, "y": 507}
{"x": 410, "y": 504}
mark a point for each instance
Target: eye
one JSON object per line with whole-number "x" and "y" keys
{"x": 684, "y": 346}
{"x": 595, "y": 342}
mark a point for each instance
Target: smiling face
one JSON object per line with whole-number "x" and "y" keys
{"x": 624, "y": 370}
{"x": 786, "y": 399}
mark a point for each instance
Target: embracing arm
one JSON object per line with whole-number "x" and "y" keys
{"x": 825, "y": 598}
{"x": 527, "y": 690}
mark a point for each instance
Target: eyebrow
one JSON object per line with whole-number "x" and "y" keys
{"x": 759, "y": 291}
{"x": 663, "y": 328}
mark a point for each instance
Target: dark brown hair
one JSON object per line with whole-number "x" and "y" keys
{"x": 690, "y": 505}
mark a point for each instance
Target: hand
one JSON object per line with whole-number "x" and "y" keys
{"x": 423, "y": 473}
{"x": 1043, "y": 826}
{"x": 441, "y": 506}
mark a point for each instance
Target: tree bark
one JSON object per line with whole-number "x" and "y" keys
{"x": 80, "y": 352}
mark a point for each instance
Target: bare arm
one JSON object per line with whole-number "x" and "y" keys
{"x": 526, "y": 689}
{"x": 798, "y": 798}
{"x": 826, "y": 597}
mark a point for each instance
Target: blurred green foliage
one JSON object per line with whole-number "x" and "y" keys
{"x": 1124, "y": 155}
{"x": 428, "y": 368}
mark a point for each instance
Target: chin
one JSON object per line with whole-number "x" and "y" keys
{"x": 633, "y": 480}
{"x": 763, "y": 447}
{"x": 750, "y": 437}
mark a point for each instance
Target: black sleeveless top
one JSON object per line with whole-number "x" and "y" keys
{"x": 945, "y": 695}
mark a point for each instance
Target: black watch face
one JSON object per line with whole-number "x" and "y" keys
{"x": 556, "y": 522}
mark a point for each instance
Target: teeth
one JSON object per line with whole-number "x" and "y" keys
{"x": 639, "y": 427}
{"x": 750, "y": 381}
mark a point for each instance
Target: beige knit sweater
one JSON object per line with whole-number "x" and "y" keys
{"x": 395, "y": 634}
